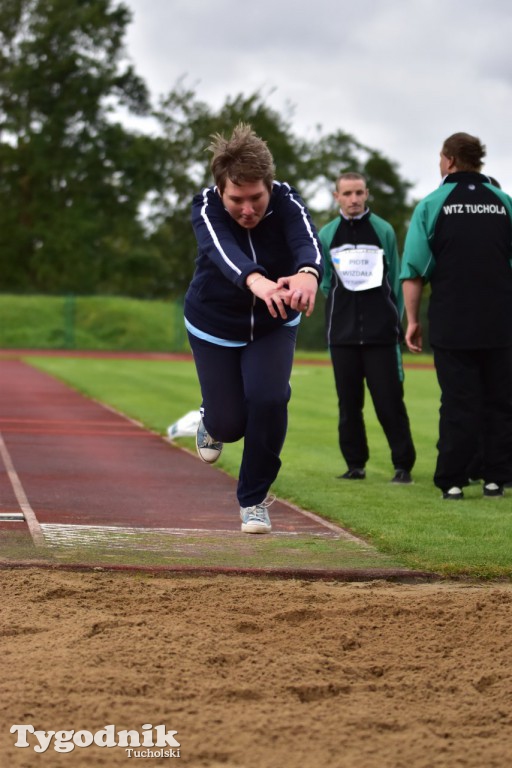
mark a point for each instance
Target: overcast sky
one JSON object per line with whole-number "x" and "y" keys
{"x": 400, "y": 75}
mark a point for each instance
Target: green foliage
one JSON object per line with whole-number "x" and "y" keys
{"x": 91, "y": 322}
{"x": 312, "y": 335}
{"x": 339, "y": 153}
{"x": 66, "y": 322}
{"x": 115, "y": 323}
{"x": 412, "y": 524}
{"x": 312, "y": 167}
{"x": 71, "y": 180}
{"x": 88, "y": 205}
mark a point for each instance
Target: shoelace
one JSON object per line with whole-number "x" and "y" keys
{"x": 258, "y": 510}
{"x": 209, "y": 441}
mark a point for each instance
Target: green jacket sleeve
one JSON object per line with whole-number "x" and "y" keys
{"x": 418, "y": 259}
{"x": 326, "y": 235}
{"x": 387, "y": 237}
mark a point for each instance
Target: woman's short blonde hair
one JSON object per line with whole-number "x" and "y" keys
{"x": 243, "y": 158}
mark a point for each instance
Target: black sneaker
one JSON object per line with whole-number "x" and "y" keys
{"x": 402, "y": 477}
{"x": 353, "y": 474}
{"x": 493, "y": 491}
{"x": 455, "y": 494}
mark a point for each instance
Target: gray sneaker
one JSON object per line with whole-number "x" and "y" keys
{"x": 207, "y": 447}
{"x": 255, "y": 519}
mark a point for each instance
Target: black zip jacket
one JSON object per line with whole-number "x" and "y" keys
{"x": 217, "y": 301}
{"x": 362, "y": 317}
{"x": 460, "y": 239}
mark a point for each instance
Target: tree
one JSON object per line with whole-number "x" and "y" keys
{"x": 187, "y": 126}
{"x": 89, "y": 206}
{"x": 312, "y": 167}
{"x": 71, "y": 178}
{"x": 340, "y": 152}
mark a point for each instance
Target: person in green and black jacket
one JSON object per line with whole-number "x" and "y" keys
{"x": 460, "y": 240}
{"x": 364, "y": 331}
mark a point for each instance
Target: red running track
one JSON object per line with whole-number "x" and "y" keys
{"x": 67, "y": 460}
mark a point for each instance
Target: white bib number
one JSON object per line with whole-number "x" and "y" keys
{"x": 359, "y": 269}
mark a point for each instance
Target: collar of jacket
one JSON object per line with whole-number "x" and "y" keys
{"x": 355, "y": 218}
{"x": 458, "y": 176}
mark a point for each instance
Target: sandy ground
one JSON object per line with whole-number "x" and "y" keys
{"x": 257, "y": 672}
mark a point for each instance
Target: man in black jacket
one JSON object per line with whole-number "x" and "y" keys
{"x": 364, "y": 309}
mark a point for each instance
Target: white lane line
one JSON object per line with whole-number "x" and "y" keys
{"x": 68, "y": 535}
{"x": 12, "y": 517}
{"x": 21, "y": 497}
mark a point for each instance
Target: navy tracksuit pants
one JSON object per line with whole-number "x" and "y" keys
{"x": 245, "y": 392}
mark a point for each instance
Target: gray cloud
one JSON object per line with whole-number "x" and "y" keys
{"x": 398, "y": 76}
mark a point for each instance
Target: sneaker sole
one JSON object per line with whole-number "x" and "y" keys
{"x": 210, "y": 456}
{"x": 254, "y": 528}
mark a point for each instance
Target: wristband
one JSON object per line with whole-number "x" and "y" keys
{"x": 310, "y": 271}
{"x": 253, "y": 281}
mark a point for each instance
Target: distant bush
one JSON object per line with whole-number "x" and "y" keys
{"x": 121, "y": 324}
{"x": 91, "y": 322}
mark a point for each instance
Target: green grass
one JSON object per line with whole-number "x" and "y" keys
{"x": 203, "y": 550}
{"x": 114, "y": 323}
{"x": 410, "y": 524}
{"x": 91, "y": 322}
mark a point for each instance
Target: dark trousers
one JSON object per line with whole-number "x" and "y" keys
{"x": 245, "y": 392}
{"x": 380, "y": 366}
{"x": 475, "y": 414}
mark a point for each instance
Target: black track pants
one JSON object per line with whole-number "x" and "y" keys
{"x": 475, "y": 414}
{"x": 380, "y": 366}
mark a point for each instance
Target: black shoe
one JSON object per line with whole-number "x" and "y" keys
{"x": 353, "y": 474}
{"x": 402, "y": 477}
{"x": 493, "y": 491}
{"x": 455, "y": 494}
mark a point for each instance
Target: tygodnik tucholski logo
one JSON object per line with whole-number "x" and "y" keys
{"x": 150, "y": 741}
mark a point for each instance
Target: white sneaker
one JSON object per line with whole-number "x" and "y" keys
{"x": 454, "y": 493}
{"x": 255, "y": 519}
{"x": 207, "y": 447}
{"x": 186, "y": 426}
{"x": 493, "y": 490}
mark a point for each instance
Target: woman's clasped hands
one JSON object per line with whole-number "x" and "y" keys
{"x": 295, "y": 291}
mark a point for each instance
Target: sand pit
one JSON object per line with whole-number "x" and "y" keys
{"x": 254, "y": 673}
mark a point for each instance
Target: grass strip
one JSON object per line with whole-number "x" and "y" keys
{"x": 411, "y": 525}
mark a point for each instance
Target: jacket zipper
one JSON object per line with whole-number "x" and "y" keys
{"x": 254, "y": 297}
